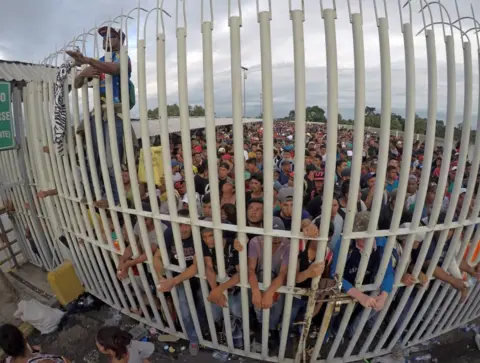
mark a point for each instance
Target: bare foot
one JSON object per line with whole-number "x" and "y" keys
{"x": 103, "y": 204}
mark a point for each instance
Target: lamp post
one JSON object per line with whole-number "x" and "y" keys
{"x": 245, "y": 69}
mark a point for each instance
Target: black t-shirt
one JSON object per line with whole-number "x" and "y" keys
{"x": 303, "y": 264}
{"x": 353, "y": 261}
{"x": 200, "y": 184}
{"x": 314, "y": 207}
{"x": 230, "y": 255}
{"x": 188, "y": 251}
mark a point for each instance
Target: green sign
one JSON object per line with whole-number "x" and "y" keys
{"x": 7, "y": 141}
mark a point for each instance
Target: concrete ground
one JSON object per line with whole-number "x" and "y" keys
{"x": 76, "y": 339}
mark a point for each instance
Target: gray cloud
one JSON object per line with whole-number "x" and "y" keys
{"x": 49, "y": 23}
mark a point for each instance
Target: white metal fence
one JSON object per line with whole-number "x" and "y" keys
{"x": 37, "y": 166}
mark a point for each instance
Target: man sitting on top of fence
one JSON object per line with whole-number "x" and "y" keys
{"x": 98, "y": 68}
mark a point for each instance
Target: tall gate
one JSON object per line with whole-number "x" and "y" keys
{"x": 68, "y": 215}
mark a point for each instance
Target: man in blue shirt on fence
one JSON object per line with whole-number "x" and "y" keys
{"x": 99, "y": 68}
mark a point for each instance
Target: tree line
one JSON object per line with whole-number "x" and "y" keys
{"x": 373, "y": 119}
{"x": 174, "y": 111}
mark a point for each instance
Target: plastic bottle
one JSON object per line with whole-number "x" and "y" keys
{"x": 422, "y": 358}
{"x": 221, "y": 356}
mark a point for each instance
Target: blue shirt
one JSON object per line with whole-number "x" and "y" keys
{"x": 117, "y": 95}
{"x": 353, "y": 261}
{"x": 391, "y": 187}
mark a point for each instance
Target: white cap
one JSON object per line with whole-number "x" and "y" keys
{"x": 290, "y": 137}
{"x": 349, "y": 153}
{"x": 185, "y": 198}
{"x": 462, "y": 190}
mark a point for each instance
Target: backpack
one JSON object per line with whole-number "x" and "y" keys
{"x": 131, "y": 93}
{"x": 343, "y": 214}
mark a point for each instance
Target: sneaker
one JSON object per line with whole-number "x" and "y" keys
{"x": 193, "y": 349}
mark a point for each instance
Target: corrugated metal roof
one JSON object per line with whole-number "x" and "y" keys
{"x": 174, "y": 124}
{"x": 20, "y": 71}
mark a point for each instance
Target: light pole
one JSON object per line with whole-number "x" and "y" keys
{"x": 245, "y": 69}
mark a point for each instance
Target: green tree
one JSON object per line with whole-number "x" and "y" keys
{"x": 291, "y": 115}
{"x": 315, "y": 114}
{"x": 173, "y": 110}
{"x": 197, "y": 110}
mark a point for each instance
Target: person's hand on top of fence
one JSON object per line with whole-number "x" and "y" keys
{"x": 238, "y": 245}
{"x": 423, "y": 279}
{"x": 380, "y": 301}
{"x": 316, "y": 269}
{"x": 408, "y": 279}
{"x": 79, "y": 58}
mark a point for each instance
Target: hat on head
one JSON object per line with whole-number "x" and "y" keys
{"x": 462, "y": 190}
{"x": 361, "y": 221}
{"x": 286, "y": 162}
{"x": 277, "y": 185}
{"x": 349, "y": 153}
{"x": 278, "y": 224}
{"x": 227, "y": 157}
{"x": 103, "y": 31}
{"x": 197, "y": 150}
{"x": 221, "y": 150}
{"x": 176, "y": 163}
{"x": 346, "y": 172}
{"x": 178, "y": 183}
{"x": 319, "y": 175}
{"x": 285, "y": 194}
{"x": 413, "y": 178}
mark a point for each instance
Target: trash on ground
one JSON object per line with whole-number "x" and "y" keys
{"x": 168, "y": 338}
{"x": 221, "y": 356}
{"x": 42, "y": 317}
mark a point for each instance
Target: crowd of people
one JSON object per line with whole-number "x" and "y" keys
{"x": 227, "y": 293}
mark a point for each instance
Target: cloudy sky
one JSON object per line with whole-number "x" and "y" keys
{"x": 32, "y": 29}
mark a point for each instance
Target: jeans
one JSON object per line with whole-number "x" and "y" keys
{"x": 186, "y": 313}
{"x": 299, "y": 307}
{"x": 96, "y": 154}
{"x": 235, "y": 307}
{"x": 275, "y": 313}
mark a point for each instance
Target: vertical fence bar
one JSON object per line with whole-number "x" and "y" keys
{"x": 329, "y": 16}
{"x": 380, "y": 177}
{"x": 164, "y": 135}
{"x": 421, "y": 193}
{"x": 235, "y": 23}
{"x": 192, "y": 202}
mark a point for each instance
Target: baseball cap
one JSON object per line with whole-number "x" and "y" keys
{"x": 346, "y": 172}
{"x": 176, "y": 163}
{"x": 286, "y": 162}
{"x": 178, "y": 184}
{"x": 221, "y": 150}
{"x": 277, "y": 185}
{"x": 462, "y": 190}
{"x": 413, "y": 178}
{"x": 103, "y": 31}
{"x": 285, "y": 194}
{"x": 349, "y": 153}
{"x": 361, "y": 221}
{"x": 227, "y": 157}
{"x": 319, "y": 175}
{"x": 277, "y": 223}
{"x": 197, "y": 150}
